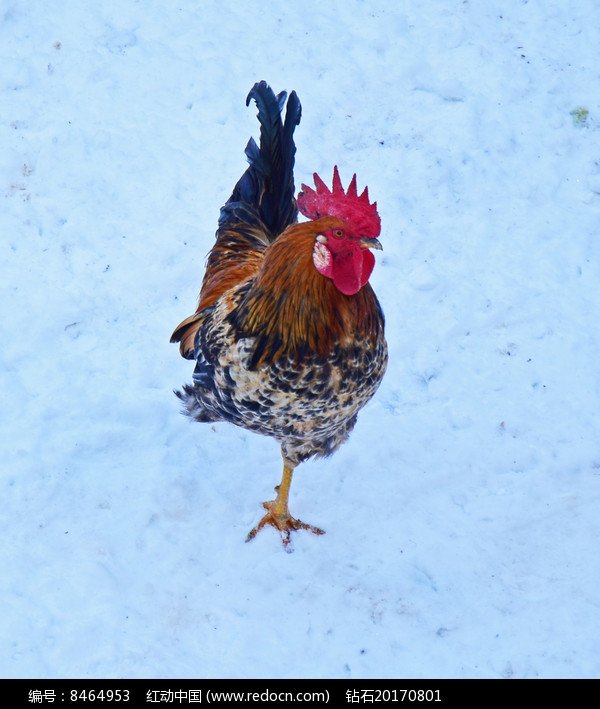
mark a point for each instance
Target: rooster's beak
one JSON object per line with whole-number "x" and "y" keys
{"x": 371, "y": 243}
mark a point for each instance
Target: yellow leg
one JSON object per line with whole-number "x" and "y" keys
{"x": 278, "y": 514}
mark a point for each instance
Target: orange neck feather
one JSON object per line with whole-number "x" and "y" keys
{"x": 293, "y": 310}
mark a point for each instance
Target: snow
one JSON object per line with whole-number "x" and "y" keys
{"x": 462, "y": 516}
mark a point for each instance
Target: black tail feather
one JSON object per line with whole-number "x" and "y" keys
{"x": 267, "y": 186}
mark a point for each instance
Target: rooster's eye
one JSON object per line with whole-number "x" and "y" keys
{"x": 338, "y": 233}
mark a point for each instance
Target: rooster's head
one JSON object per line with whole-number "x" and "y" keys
{"x": 342, "y": 251}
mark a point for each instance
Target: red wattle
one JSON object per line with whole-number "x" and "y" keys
{"x": 351, "y": 270}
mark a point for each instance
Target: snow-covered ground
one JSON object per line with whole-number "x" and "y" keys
{"x": 463, "y": 516}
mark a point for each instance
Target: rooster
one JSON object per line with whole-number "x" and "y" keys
{"x": 288, "y": 337}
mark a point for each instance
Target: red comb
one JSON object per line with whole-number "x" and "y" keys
{"x": 356, "y": 210}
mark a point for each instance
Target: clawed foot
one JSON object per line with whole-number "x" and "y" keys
{"x": 282, "y": 521}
